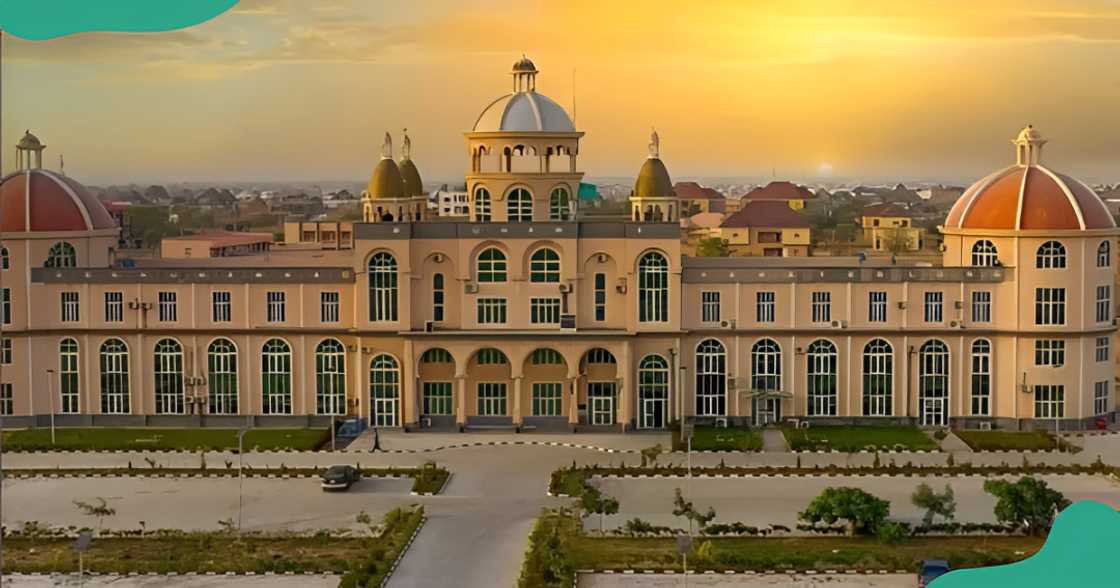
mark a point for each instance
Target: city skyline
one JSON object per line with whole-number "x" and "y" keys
{"x": 276, "y": 91}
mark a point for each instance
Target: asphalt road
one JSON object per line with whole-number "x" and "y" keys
{"x": 747, "y": 581}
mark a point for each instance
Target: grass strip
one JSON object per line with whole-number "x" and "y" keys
{"x": 141, "y": 439}
{"x": 857, "y": 438}
{"x": 1008, "y": 440}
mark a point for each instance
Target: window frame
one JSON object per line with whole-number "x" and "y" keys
{"x": 1049, "y": 306}
{"x": 276, "y": 302}
{"x": 167, "y": 302}
{"x": 221, "y": 306}
{"x": 491, "y": 310}
{"x": 492, "y": 266}
{"x": 519, "y": 205}
{"x": 544, "y": 266}
{"x": 984, "y": 254}
{"x": 653, "y": 288}
{"x": 878, "y": 378}
{"x": 820, "y": 307}
{"x": 877, "y": 306}
{"x": 933, "y": 306}
{"x": 710, "y": 306}
{"x": 1050, "y": 255}
{"x": 71, "y": 311}
{"x": 330, "y": 306}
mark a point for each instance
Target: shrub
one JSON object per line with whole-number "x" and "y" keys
{"x": 891, "y": 533}
{"x": 863, "y": 512}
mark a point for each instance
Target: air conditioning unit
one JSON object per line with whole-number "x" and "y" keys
{"x": 470, "y": 288}
{"x": 565, "y": 288}
{"x": 835, "y": 324}
{"x": 902, "y": 305}
{"x": 721, "y": 422}
{"x": 724, "y": 324}
{"x": 620, "y": 287}
{"x": 839, "y": 324}
{"x": 986, "y": 426}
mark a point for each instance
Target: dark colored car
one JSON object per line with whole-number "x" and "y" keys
{"x": 339, "y": 477}
{"x": 931, "y": 570}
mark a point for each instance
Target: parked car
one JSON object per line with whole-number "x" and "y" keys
{"x": 931, "y": 570}
{"x": 339, "y": 477}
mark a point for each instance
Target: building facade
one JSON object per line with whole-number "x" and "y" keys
{"x": 526, "y": 316}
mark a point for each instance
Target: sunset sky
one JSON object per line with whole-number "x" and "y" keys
{"x": 297, "y": 90}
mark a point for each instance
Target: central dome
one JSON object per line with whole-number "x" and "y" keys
{"x": 524, "y": 110}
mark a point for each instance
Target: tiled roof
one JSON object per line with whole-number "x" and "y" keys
{"x": 779, "y": 191}
{"x": 885, "y": 209}
{"x": 694, "y": 191}
{"x": 768, "y": 214}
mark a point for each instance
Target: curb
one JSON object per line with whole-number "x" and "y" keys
{"x": 400, "y": 556}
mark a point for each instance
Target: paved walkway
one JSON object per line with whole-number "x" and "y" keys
{"x": 954, "y": 444}
{"x": 262, "y": 581}
{"x": 774, "y": 441}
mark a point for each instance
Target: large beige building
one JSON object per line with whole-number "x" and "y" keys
{"x": 525, "y": 316}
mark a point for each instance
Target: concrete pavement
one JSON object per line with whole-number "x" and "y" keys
{"x": 747, "y": 580}
{"x": 114, "y": 581}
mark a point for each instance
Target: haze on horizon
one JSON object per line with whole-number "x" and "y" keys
{"x": 286, "y": 90}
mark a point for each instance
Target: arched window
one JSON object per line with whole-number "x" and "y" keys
{"x": 482, "y": 205}
{"x": 1104, "y": 255}
{"x": 437, "y": 355}
{"x": 766, "y": 366}
{"x": 711, "y": 378}
{"x": 221, "y": 374}
{"x": 114, "y": 377}
{"x": 653, "y": 392}
{"x": 933, "y": 384}
{"x": 491, "y": 356}
{"x": 878, "y": 375}
{"x": 558, "y": 207}
{"x": 385, "y": 390}
{"x": 822, "y": 378}
{"x": 492, "y": 266}
{"x": 68, "y": 376}
{"x": 519, "y": 206}
{"x": 981, "y": 377}
{"x": 984, "y": 254}
{"x": 546, "y": 356}
{"x": 653, "y": 288}
{"x": 62, "y": 254}
{"x": 330, "y": 378}
{"x": 600, "y": 356}
{"x": 169, "y": 377}
{"x": 544, "y": 266}
{"x": 5, "y": 261}
{"x": 1051, "y": 255}
{"x": 276, "y": 377}
{"x": 383, "y": 287}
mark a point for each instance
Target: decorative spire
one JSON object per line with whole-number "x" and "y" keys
{"x": 387, "y": 147}
{"x": 654, "y": 144}
{"x": 406, "y": 146}
{"x": 1028, "y": 146}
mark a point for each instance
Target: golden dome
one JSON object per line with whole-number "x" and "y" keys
{"x": 413, "y": 186}
{"x": 653, "y": 181}
{"x": 386, "y": 181}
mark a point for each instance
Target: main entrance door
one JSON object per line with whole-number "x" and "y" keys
{"x": 767, "y": 411}
{"x": 600, "y": 395}
{"x": 933, "y": 412}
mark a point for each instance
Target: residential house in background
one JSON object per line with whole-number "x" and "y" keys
{"x": 768, "y": 228}
{"x": 889, "y": 227}
{"x": 696, "y": 199}
{"x": 788, "y": 192}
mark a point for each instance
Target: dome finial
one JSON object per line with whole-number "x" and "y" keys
{"x": 654, "y": 144}
{"x": 1028, "y": 146}
{"x": 387, "y": 147}
{"x": 406, "y": 145}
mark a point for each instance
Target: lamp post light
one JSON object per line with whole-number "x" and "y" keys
{"x": 240, "y": 475}
{"x": 50, "y": 391}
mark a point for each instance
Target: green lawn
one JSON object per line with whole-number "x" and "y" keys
{"x": 706, "y": 438}
{"x": 857, "y": 438}
{"x": 1008, "y": 440}
{"x": 102, "y": 439}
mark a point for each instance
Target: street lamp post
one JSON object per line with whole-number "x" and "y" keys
{"x": 50, "y": 391}
{"x": 240, "y": 476}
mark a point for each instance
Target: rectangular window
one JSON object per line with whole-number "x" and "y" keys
{"x": 1100, "y": 397}
{"x": 764, "y": 307}
{"x": 437, "y": 398}
{"x": 933, "y": 310}
{"x": 876, "y": 307}
{"x": 275, "y": 307}
{"x": 438, "y": 298}
{"x": 1049, "y": 401}
{"x": 222, "y": 306}
{"x": 168, "y": 307}
{"x": 492, "y": 311}
{"x": 822, "y": 307}
{"x": 1104, "y": 304}
{"x": 5, "y": 351}
{"x": 546, "y": 398}
{"x": 7, "y": 404}
{"x": 491, "y": 398}
{"x": 709, "y": 307}
{"x": 1049, "y": 306}
{"x": 542, "y": 311}
{"x": 1051, "y": 352}
{"x": 70, "y": 307}
{"x": 982, "y": 307}
{"x": 114, "y": 307}
{"x": 6, "y": 305}
{"x": 328, "y": 307}
{"x": 1103, "y": 348}
{"x": 600, "y": 297}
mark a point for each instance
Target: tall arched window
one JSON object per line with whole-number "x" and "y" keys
{"x": 221, "y": 375}
{"x": 330, "y": 378}
{"x": 383, "y": 287}
{"x": 653, "y": 392}
{"x": 984, "y": 254}
{"x": 981, "y": 377}
{"x": 711, "y": 378}
{"x": 1104, "y": 254}
{"x": 169, "y": 377}
{"x": 766, "y": 366}
{"x": 1051, "y": 255}
{"x": 114, "y": 377}
{"x": 878, "y": 375}
{"x": 519, "y": 206}
{"x": 61, "y": 254}
{"x": 544, "y": 266}
{"x": 933, "y": 384}
{"x": 822, "y": 378}
{"x": 492, "y": 266}
{"x": 5, "y": 261}
{"x": 558, "y": 207}
{"x": 276, "y": 377}
{"x": 482, "y": 205}
{"x": 68, "y": 376}
{"x": 385, "y": 390}
{"x": 653, "y": 288}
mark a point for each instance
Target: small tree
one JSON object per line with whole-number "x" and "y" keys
{"x": 685, "y": 508}
{"x": 942, "y": 505}
{"x": 861, "y": 511}
{"x": 593, "y": 501}
{"x": 712, "y": 247}
{"x": 1028, "y": 502}
{"x": 650, "y": 454}
{"x": 102, "y": 510}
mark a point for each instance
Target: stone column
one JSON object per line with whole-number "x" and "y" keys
{"x": 516, "y": 404}
{"x": 573, "y": 400}
{"x": 409, "y": 412}
{"x": 461, "y": 411}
